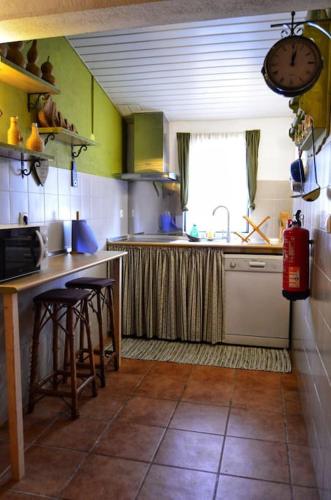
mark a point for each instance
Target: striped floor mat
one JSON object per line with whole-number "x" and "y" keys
{"x": 248, "y": 358}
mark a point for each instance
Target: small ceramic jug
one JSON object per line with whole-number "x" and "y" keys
{"x": 32, "y": 56}
{"x": 13, "y": 134}
{"x": 34, "y": 141}
{"x": 14, "y": 53}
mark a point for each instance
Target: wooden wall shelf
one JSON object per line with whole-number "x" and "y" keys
{"x": 18, "y": 77}
{"x": 66, "y": 136}
{"x": 38, "y": 161}
{"x": 22, "y": 154}
{"x": 307, "y": 143}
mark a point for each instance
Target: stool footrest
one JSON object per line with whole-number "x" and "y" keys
{"x": 62, "y": 393}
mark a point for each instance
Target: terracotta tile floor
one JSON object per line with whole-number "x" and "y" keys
{"x": 165, "y": 431}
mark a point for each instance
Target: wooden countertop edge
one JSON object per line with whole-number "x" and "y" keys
{"x": 58, "y": 267}
{"x": 226, "y": 247}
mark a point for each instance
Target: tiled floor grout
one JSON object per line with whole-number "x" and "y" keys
{"x": 222, "y": 452}
{"x": 90, "y": 452}
{"x": 287, "y": 444}
{"x": 133, "y": 394}
{"x": 162, "y": 439}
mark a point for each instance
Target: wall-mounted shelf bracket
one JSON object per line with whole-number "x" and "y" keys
{"x": 38, "y": 160}
{"x": 34, "y": 100}
{"x": 77, "y": 142}
{"x": 33, "y": 165}
{"x": 49, "y": 137}
{"x": 75, "y": 154}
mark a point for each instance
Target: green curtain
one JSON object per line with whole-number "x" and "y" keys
{"x": 252, "y": 153}
{"x": 183, "y": 144}
{"x": 172, "y": 293}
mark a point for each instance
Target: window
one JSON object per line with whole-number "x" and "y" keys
{"x": 217, "y": 176}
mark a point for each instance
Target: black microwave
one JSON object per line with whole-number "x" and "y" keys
{"x": 22, "y": 251}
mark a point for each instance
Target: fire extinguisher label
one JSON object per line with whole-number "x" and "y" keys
{"x": 294, "y": 276}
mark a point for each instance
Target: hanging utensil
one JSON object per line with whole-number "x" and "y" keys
{"x": 314, "y": 193}
{"x": 298, "y": 174}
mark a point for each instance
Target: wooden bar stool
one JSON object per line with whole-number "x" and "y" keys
{"x": 102, "y": 290}
{"x": 61, "y": 306}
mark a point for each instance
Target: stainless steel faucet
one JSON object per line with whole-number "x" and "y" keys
{"x": 227, "y": 220}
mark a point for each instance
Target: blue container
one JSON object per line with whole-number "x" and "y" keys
{"x": 165, "y": 222}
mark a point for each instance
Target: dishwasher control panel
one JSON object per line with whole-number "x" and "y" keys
{"x": 256, "y": 263}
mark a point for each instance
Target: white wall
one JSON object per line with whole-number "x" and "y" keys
{"x": 311, "y": 326}
{"x": 276, "y": 150}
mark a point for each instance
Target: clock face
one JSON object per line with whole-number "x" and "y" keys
{"x": 292, "y": 65}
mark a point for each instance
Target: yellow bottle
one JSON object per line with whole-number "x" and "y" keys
{"x": 13, "y": 134}
{"x": 34, "y": 141}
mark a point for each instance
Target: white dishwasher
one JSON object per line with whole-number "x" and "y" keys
{"x": 255, "y": 312}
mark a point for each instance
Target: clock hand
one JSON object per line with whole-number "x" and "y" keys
{"x": 294, "y": 55}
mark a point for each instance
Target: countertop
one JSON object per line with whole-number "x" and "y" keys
{"x": 58, "y": 266}
{"x": 232, "y": 247}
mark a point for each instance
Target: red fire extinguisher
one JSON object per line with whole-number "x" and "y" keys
{"x": 296, "y": 260}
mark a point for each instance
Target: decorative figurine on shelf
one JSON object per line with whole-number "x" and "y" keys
{"x": 32, "y": 56}
{"x": 34, "y": 141}
{"x": 14, "y": 136}
{"x": 46, "y": 70}
{"x": 14, "y": 53}
{"x": 49, "y": 116}
{"x": 3, "y": 49}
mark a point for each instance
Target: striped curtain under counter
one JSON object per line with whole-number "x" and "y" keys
{"x": 172, "y": 293}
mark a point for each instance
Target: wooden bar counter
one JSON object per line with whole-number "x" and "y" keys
{"x": 58, "y": 267}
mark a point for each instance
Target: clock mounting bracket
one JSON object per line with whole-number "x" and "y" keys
{"x": 296, "y": 28}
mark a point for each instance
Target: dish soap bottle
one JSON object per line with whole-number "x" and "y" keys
{"x": 194, "y": 231}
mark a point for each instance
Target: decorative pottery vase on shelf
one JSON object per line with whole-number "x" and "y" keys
{"x": 32, "y": 56}
{"x": 34, "y": 141}
{"x": 14, "y": 53}
{"x": 46, "y": 70}
{"x": 14, "y": 136}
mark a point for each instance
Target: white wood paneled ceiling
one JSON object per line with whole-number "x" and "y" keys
{"x": 205, "y": 70}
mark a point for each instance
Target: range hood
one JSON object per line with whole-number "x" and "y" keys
{"x": 147, "y": 148}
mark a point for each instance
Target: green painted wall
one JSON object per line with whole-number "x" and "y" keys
{"x": 74, "y": 102}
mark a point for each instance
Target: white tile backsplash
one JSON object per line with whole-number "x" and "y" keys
{"x": 4, "y": 175}
{"x": 64, "y": 207}
{"x": 85, "y": 207}
{"x": 36, "y": 210}
{"x": 18, "y": 203}
{"x": 85, "y": 183}
{"x": 16, "y": 181}
{"x": 51, "y": 184}
{"x": 75, "y": 206}
{"x": 33, "y": 186}
{"x": 98, "y": 200}
{"x": 51, "y": 207}
{"x": 311, "y": 326}
{"x": 272, "y": 197}
{"x": 64, "y": 179}
{"x": 4, "y": 207}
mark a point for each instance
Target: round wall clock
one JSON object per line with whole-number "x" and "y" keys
{"x": 292, "y": 66}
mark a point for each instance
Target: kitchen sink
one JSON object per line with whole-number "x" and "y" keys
{"x": 177, "y": 238}
{"x": 150, "y": 238}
